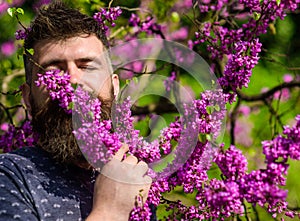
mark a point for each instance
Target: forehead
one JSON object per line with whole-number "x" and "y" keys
{"x": 70, "y": 49}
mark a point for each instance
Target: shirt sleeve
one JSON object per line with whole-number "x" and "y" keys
{"x": 15, "y": 199}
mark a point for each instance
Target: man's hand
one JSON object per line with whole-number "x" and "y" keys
{"x": 117, "y": 186}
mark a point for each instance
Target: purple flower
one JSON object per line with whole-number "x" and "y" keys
{"x": 284, "y": 146}
{"x": 17, "y": 137}
{"x": 107, "y": 16}
{"x": 170, "y": 81}
{"x": 288, "y": 78}
{"x": 149, "y": 25}
{"x": 3, "y": 6}
{"x": 4, "y": 126}
{"x": 8, "y": 48}
{"x": 180, "y": 34}
{"x": 59, "y": 88}
{"x": 222, "y": 198}
{"x": 20, "y": 34}
{"x": 238, "y": 70}
{"x": 232, "y": 163}
{"x": 141, "y": 211}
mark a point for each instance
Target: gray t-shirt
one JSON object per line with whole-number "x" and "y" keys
{"x": 34, "y": 187}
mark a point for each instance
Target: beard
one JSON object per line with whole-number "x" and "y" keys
{"x": 54, "y": 128}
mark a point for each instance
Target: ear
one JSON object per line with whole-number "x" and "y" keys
{"x": 116, "y": 84}
{"x": 26, "y": 96}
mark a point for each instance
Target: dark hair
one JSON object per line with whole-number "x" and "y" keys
{"x": 56, "y": 22}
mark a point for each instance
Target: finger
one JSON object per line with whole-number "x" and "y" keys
{"x": 131, "y": 160}
{"x": 147, "y": 180}
{"x": 141, "y": 168}
{"x": 119, "y": 155}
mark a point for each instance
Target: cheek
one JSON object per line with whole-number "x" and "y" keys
{"x": 106, "y": 89}
{"x": 101, "y": 85}
{"x": 39, "y": 96}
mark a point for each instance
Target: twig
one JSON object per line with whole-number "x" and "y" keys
{"x": 6, "y": 81}
{"x": 256, "y": 213}
{"x": 135, "y": 9}
{"x": 246, "y": 212}
{"x": 294, "y": 69}
{"x": 273, "y": 113}
{"x": 232, "y": 121}
{"x": 160, "y": 108}
{"x": 110, "y": 3}
{"x": 139, "y": 73}
{"x": 269, "y": 93}
{"x": 7, "y": 113}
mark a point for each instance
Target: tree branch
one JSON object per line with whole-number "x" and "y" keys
{"x": 233, "y": 117}
{"x": 160, "y": 108}
{"x": 267, "y": 94}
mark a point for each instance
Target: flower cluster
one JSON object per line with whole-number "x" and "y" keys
{"x": 59, "y": 88}
{"x": 259, "y": 188}
{"x": 232, "y": 163}
{"x": 238, "y": 69}
{"x": 169, "y": 82}
{"x": 149, "y": 25}
{"x": 20, "y": 34}
{"x": 99, "y": 139}
{"x": 94, "y": 136}
{"x": 207, "y": 5}
{"x": 16, "y": 137}
{"x": 238, "y": 44}
{"x": 141, "y": 211}
{"x": 221, "y": 198}
{"x": 284, "y": 146}
{"x": 107, "y": 16}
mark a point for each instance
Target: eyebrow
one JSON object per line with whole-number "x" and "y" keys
{"x": 51, "y": 62}
{"x": 58, "y": 61}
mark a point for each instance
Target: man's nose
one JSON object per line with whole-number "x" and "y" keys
{"x": 75, "y": 73}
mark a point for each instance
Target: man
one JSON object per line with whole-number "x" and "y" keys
{"x": 53, "y": 181}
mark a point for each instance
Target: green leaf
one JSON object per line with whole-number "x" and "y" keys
{"x": 91, "y": 114}
{"x": 164, "y": 163}
{"x": 30, "y": 51}
{"x": 20, "y": 52}
{"x": 278, "y": 2}
{"x": 217, "y": 107}
{"x": 74, "y": 85}
{"x": 208, "y": 137}
{"x": 209, "y": 109}
{"x": 11, "y": 11}
{"x": 202, "y": 137}
{"x": 175, "y": 17}
{"x": 256, "y": 15}
{"x": 20, "y": 11}
{"x": 70, "y": 106}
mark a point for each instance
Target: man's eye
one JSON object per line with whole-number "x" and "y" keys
{"x": 88, "y": 68}
{"x": 51, "y": 68}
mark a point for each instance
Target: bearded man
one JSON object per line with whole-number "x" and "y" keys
{"x": 53, "y": 181}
